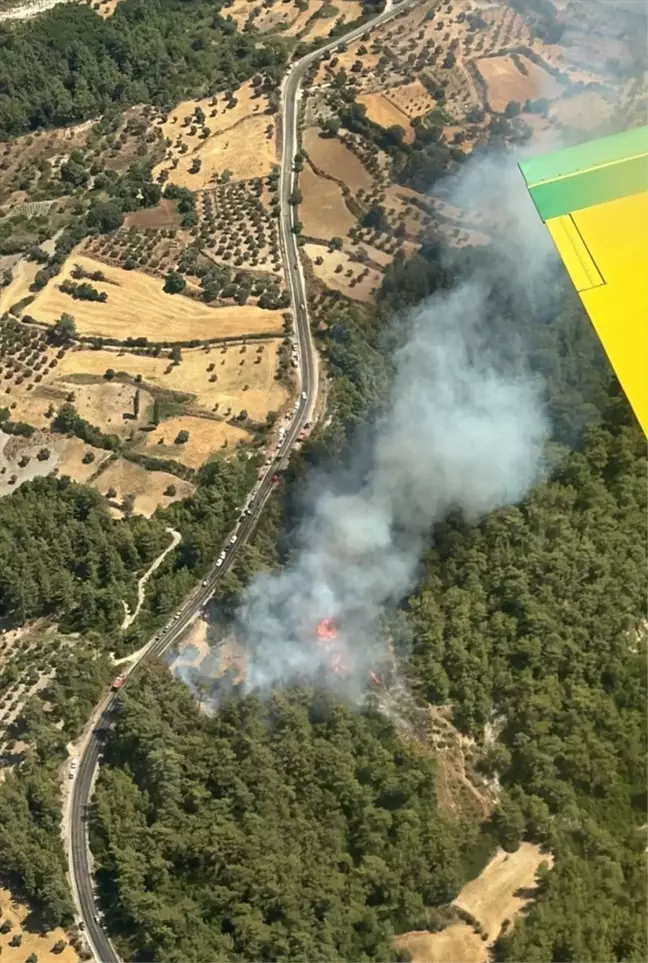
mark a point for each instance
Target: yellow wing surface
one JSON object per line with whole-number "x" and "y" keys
{"x": 593, "y": 199}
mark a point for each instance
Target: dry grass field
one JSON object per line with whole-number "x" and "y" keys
{"x": 340, "y": 273}
{"x": 138, "y": 307}
{"x": 346, "y": 11}
{"x": 457, "y": 943}
{"x": 491, "y": 899}
{"x": 239, "y": 381}
{"x": 407, "y": 206}
{"x": 323, "y": 211}
{"x": 24, "y": 273}
{"x": 247, "y": 150}
{"x": 346, "y": 59}
{"x": 148, "y": 487}
{"x": 110, "y": 405}
{"x": 35, "y": 940}
{"x": 206, "y": 436}
{"x": 584, "y": 111}
{"x": 19, "y": 460}
{"x": 330, "y": 156}
{"x": 506, "y": 83}
{"x": 381, "y": 110}
{"x": 72, "y": 452}
{"x": 241, "y": 138}
{"x": 284, "y": 17}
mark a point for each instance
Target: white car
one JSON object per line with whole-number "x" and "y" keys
{"x": 204, "y": 582}
{"x": 303, "y": 396}
{"x": 233, "y": 540}
{"x": 219, "y": 563}
{"x": 222, "y": 555}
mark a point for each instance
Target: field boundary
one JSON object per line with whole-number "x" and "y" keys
{"x": 101, "y": 341}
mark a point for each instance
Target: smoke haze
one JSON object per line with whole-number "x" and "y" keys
{"x": 459, "y": 433}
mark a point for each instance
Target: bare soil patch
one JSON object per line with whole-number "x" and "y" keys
{"x": 323, "y": 211}
{"x": 105, "y": 8}
{"x": 138, "y": 307}
{"x": 165, "y": 214}
{"x": 412, "y": 99}
{"x": 148, "y": 486}
{"x": 382, "y": 111}
{"x": 332, "y": 157}
{"x": 206, "y": 436}
{"x": 506, "y": 83}
{"x": 34, "y": 939}
{"x": 231, "y": 369}
{"x": 340, "y": 273}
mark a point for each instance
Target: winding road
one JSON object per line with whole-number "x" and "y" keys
{"x": 78, "y": 802}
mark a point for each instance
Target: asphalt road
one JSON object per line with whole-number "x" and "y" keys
{"x": 77, "y": 842}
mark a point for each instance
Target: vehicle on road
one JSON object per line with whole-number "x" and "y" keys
{"x": 74, "y": 765}
{"x": 303, "y": 394}
{"x": 204, "y": 583}
{"x": 233, "y": 540}
{"x": 219, "y": 563}
{"x": 119, "y": 681}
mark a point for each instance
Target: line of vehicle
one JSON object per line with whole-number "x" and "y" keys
{"x": 79, "y": 857}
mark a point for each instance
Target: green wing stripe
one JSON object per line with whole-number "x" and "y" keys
{"x": 597, "y": 186}
{"x": 606, "y": 150}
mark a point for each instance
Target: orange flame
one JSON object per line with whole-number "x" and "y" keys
{"x": 326, "y": 630}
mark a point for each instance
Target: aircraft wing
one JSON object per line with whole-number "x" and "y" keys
{"x": 593, "y": 199}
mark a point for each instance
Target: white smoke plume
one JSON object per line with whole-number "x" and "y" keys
{"x": 457, "y": 434}
{"x": 460, "y": 432}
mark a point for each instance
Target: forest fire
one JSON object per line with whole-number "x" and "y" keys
{"x": 326, "y": 630}
{"x": 327, "y": 635}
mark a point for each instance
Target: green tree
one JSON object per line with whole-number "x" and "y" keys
{"x": 64, "y": 330}
{"x": 174, "y": 283}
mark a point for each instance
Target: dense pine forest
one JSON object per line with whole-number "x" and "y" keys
{"x": 530, "y": 622}
{"x": 69, "y": 64}
{"x": 290, "y": 830}
{"x": 532, "y": 619}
